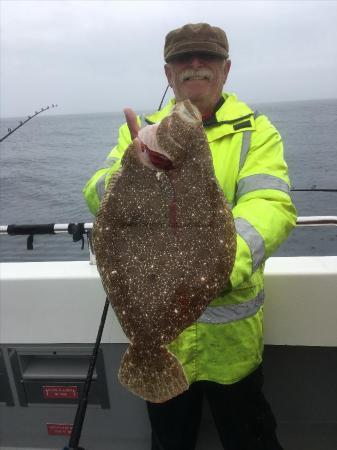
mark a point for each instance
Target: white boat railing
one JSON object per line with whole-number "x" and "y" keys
{"x": 309, "y": 221}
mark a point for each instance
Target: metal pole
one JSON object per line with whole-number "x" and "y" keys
{"x": 309, "y": 221}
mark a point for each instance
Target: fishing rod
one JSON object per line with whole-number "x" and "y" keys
{"x": 23, "y": 122}
{"x": 77, "y": 230}
{"x": 162, "y": 99}
{"x": 83, "y": 403}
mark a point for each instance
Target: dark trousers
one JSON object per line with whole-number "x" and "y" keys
{"x": 242, "y": 416}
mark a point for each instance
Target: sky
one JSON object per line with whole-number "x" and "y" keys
{"x": 103, "y": 55}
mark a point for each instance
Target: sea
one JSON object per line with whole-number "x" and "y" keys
{"x": 45, "y": 164}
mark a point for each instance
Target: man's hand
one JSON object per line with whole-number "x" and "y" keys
{"x": 131, "y": 120}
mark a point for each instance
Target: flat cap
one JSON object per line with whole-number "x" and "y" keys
{"x": 196, "y": 38}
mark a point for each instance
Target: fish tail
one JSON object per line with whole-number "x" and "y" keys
{"x": 155, "y": 375}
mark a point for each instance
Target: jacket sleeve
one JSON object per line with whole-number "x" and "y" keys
{"x": 264, "y": 213}
{"x": 94, "y": 189}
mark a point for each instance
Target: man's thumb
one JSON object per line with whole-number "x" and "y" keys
{"x": 131, "y": 120}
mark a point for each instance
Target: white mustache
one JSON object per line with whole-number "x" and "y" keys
{"x": 196, "y": 74}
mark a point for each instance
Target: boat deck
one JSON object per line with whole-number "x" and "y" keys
{"x": 49, "y": 318}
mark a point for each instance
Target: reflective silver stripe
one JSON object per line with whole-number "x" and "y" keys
{"x": 253, "y": 239}
{"x": 231, "y": 313}
{"x": 260, "y": 181}
{"x": 246, "y": 143}
{"x": 100, "y": 186}
{"x": 244, "y": 148}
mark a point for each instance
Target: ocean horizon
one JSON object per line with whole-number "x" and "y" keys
{"x": 148, "y": 110}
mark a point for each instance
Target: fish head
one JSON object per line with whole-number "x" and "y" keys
{"x": 178, "y": 132}
{"x": 187, "y": 112}
{"x": 148, "y": 151}
{"x": 164, "y": 145}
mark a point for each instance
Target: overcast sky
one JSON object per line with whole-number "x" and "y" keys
{"x": 100, "y": 56}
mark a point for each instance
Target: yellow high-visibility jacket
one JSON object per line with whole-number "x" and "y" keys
{"x": 226, "y": 343}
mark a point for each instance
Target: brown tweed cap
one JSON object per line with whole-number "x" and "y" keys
{"x": 196, "y": 38}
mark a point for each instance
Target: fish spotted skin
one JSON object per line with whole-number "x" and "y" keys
{"x": 165, "y": 245}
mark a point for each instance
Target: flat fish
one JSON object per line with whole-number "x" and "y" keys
{"x": 165, "y": 243}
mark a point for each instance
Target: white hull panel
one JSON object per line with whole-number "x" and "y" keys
{"x": 61, "y": 302}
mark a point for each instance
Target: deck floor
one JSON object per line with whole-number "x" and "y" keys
{"x": 293, "y": 437}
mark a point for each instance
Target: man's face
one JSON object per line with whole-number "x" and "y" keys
{"x": 198, "y": 77}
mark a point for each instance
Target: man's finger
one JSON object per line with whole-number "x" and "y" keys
{"x": 131, "y": 120}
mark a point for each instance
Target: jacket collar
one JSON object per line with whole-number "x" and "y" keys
{"x": 230, "y": 116}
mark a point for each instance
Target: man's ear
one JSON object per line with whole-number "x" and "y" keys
{"x": 168, "y": 73}
{"x": 226, "y": 69}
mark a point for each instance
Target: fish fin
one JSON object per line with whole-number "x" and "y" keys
{"x": 155, "y": 375}
{"x": 111, "y": 183}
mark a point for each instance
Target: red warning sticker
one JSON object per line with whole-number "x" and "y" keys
{"x": 59, "y": 429}
{"x": 59, "y": 392}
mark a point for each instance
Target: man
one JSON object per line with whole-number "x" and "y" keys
{"x": 222, "y": 356}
